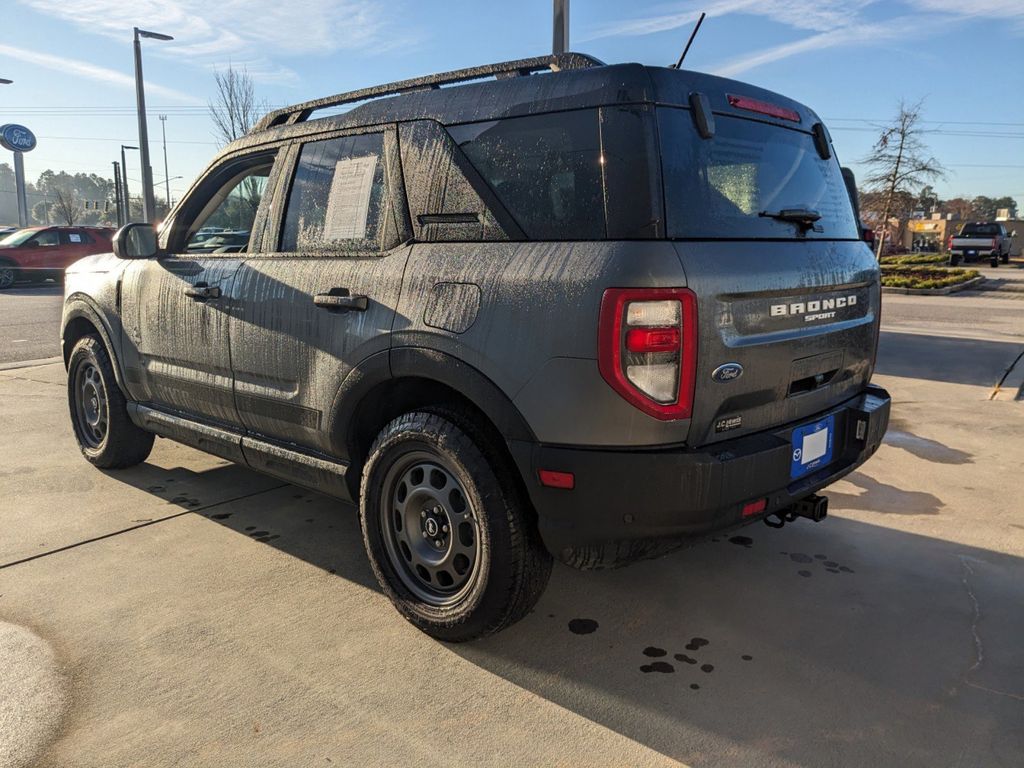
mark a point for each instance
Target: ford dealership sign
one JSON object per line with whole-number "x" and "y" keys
{"x": 17, "y": 138}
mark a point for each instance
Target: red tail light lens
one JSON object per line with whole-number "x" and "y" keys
{"x": 995, "y": 243}
{"x": 647, "y": 348}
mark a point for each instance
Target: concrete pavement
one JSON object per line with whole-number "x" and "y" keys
{"x": 30, "y": 322}
{"x": 189, "y": 612}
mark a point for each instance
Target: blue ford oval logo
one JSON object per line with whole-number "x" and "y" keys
{"x": 727, "y": 372}
{"x": 17, "y": 138}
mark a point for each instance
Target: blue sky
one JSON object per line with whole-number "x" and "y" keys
{"x": 851, "y": 61}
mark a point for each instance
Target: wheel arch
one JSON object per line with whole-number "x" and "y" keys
{"x": 389, "y": 384}
{"x": 80, "y": 319}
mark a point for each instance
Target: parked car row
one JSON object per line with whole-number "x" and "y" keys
{"x": 39, "y": 253}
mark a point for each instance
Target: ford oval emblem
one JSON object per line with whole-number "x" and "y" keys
{"x": 17, "y": 138}
{"x": 727, "y": 372}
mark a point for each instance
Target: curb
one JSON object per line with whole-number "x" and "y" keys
{"x": 30, "y": 363}
{"x": 936, "y": 291}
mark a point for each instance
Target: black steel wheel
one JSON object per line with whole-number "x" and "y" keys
{"x": 430, "y": 529}
{"x": 99, "y": 414}
{"x": 449, "y": 533}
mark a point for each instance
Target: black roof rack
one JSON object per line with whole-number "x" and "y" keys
{"x": 297, "y": 113}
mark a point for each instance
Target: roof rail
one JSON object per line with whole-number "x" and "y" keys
{"x": 298, "y": 113}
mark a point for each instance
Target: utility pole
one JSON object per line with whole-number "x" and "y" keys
{"x": 148, "y": 203}
{"x": 560, "y": 27}
{"x": 167, "y": 175}
{"x": 117, "y": 195}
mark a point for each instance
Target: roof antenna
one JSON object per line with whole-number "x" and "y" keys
{"x": 689, "y": 42}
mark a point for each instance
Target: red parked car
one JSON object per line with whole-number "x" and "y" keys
{"x": 37, "y": 253}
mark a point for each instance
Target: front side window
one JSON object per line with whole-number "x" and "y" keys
{"x": 729, "y": 185}
{"x": 337, "y": 200}
{"x": 545, "y": 169}
{"x": 225, "y": 223}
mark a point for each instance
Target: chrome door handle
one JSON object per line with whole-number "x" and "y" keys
{"x": 341, "y": 302}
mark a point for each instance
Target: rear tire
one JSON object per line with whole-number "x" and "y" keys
{"x": 1005, "y": 258}
{"x": 8, "y": 274}
{"x": 449, "y": 533}
{"x": 99, "y": 415}
{"x": 954, "y": 260}
{"x": 994, "y": 261}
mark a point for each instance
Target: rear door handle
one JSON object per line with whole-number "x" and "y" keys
{"x": 341, "y": 302}
{"x": 202, "y": 292}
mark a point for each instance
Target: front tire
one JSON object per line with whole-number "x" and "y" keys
{"x": 448, "y": 532}
{"x": 99, "y": 415}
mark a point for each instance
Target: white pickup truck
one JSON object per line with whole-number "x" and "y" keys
{"x": 981, "y": 240}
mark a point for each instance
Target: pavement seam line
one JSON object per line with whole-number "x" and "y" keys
{"x": 136, "y": 527}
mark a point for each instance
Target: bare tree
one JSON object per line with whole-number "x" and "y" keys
{"x": 234, "y": 109}
{"x": 66, "y": 207}
{"x": 899, "y": 162}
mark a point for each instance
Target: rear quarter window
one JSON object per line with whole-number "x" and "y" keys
{"x": 718, "y": 188}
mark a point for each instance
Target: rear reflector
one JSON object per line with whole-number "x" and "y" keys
{"x": 553, "y": 479}
{"x": 764, "y": 107}
{"x": 754, "y": 507}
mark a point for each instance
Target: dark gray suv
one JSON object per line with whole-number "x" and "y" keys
{"x": 563, "y": 308}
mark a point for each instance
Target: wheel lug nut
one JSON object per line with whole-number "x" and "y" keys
{"x": 437, "y": 542}
{"x": 444, "y": 528}
{"x": 423, "y": 513}
{"x": 424, "y": 534}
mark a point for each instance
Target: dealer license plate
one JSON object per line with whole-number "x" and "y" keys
{"x": 812, "y": 447}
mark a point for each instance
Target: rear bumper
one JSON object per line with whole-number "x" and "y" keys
{"x": 623, "y": 495}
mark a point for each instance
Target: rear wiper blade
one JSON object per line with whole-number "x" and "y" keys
{"x": 798, "y": 215}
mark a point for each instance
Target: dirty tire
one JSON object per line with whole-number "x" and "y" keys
{"x": 8, "y": 274}
{"x": 954, "y": 261}
{"x": 510, "y": 567}
{"x": 994, "y": 261}
{"x": 99, "y": 417}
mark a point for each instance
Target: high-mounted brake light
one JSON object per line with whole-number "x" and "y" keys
{"x": 647, "y": 348}
{"x": 764, "y": 107}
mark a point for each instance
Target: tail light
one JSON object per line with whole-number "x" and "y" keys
{"x": 949, "y": 243}
{"x": 995, "y": 243}
{"x": 647, "y": 348}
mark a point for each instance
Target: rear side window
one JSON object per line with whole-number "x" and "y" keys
{"x": 720, "y": 187}
{"x": 337, "y": 197}
{"x": 545, "y": 169}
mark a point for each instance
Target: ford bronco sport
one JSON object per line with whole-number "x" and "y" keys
{"x": 563, "y": 308}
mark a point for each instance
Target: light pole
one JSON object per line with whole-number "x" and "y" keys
{"x": 148, "y": 203}
{"x": 5, "y": 81}
{"x": 124, "y": 185}
{"x": 167, "y": 174}
{"x": 560, "y": 27}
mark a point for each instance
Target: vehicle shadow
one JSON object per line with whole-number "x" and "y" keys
{"x": 843, "y": 643}
{"x": 953, "y": 360}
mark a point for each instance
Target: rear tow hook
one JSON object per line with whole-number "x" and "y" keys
{"x": 812, "y": 507}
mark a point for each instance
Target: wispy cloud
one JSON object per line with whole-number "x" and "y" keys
{"x": 252, "y": 33}
{"x": 85, "y": 69}
{"x": 835, "y": 23}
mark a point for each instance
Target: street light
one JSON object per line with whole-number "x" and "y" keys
{"x": 124, "y": 185}
{"x": 5, "y": 81}
{"x": 167, "y": 174}
{"x": 148, "y": 201}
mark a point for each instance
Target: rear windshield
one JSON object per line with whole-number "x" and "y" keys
{"x": 979, "y": 230}
{"x": 718, "y": 188}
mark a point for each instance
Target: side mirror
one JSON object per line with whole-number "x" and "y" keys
{"x": 135, "y": 241}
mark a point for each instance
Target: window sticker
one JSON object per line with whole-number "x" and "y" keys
{"x": 349, "y": 201}
{"x": 74, "y": 237}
